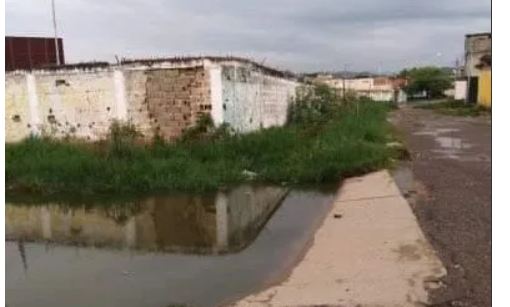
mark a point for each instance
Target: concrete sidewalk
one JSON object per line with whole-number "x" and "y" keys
{"x": 370, "y": 251}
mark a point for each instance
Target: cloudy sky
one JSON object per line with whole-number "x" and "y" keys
{"x": 300, "y": 35}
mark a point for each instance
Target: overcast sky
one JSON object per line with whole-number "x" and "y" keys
{"x": 301, "y": 35}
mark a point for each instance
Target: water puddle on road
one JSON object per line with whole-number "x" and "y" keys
{"x": 436, "y": 131}
{"x": 448, "y": 146}
{"x": 452, "y": 143}
{"x": 160, "y": 251}
{"x": 451, "y": 147}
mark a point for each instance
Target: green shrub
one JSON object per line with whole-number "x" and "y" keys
{"x": 326, "y": 140}
{"x": 122, "y": 139}
{"x": 314, "y": 105}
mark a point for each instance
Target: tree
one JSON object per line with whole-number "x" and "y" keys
{"x": 431, "y": 80}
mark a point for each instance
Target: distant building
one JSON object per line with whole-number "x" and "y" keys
{"x": 477, "y": 47}
{"x": 317, "y": 78}
{"x": 25, "y": 53}
{"x": 376, "y": 88}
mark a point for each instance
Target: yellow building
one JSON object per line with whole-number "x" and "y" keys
{"x": 485, "y": 82}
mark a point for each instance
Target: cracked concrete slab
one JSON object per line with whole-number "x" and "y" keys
{"x": 370, "y": 251}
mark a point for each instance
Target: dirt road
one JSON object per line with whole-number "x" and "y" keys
{"x": 449, "y": 185}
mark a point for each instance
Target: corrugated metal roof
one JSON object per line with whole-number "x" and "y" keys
{"x": 26, "y": 53}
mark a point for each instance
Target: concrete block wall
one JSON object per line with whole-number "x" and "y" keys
{"x": 138, "y": 110}
{"x": 252, "y": 99}
{"x": 17, "y": 112}
{"x": 166, "y": 98}
{"x": 81, "y": 104}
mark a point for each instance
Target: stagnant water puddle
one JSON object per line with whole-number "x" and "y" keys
{"x": 161, "y": 251}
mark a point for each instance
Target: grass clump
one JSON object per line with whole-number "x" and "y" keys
{"x": 457, "y": 108}
{"x": 325, "y": 140}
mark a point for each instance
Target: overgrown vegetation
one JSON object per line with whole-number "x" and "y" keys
{"x": 325, "y": 140}
{"x": 457, "y": 108}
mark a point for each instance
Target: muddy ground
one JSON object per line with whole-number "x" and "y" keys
{"x": 449, "y": 184}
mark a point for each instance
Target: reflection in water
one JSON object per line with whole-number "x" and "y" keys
{"x": 63, "y": 276}
{"x": 23, "y": 254}
{"x": 224, "y": 222}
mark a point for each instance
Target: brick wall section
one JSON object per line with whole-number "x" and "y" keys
{"x": 176, "y": 98}
{"x": 136, "y": 96}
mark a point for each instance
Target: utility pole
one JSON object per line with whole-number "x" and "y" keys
{"x": 458, "y": 68}
{"x": 343, "y": 81}
{"x": 57, "y": 49}
{"x": 371, "y": 81}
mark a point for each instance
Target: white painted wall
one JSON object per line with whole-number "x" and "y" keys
{"x": 120, "y": 95}
{"x": 17, "y": 112}
{"x": 253, "y": 99}
{"x": 216, "y": 94}
{"x": 81, "y": 103}
{"x": 402, "y": 97}
{"x": 460, "y": 89}
{"x": 381, "y": 95}
{"x": 33, "y": 105}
